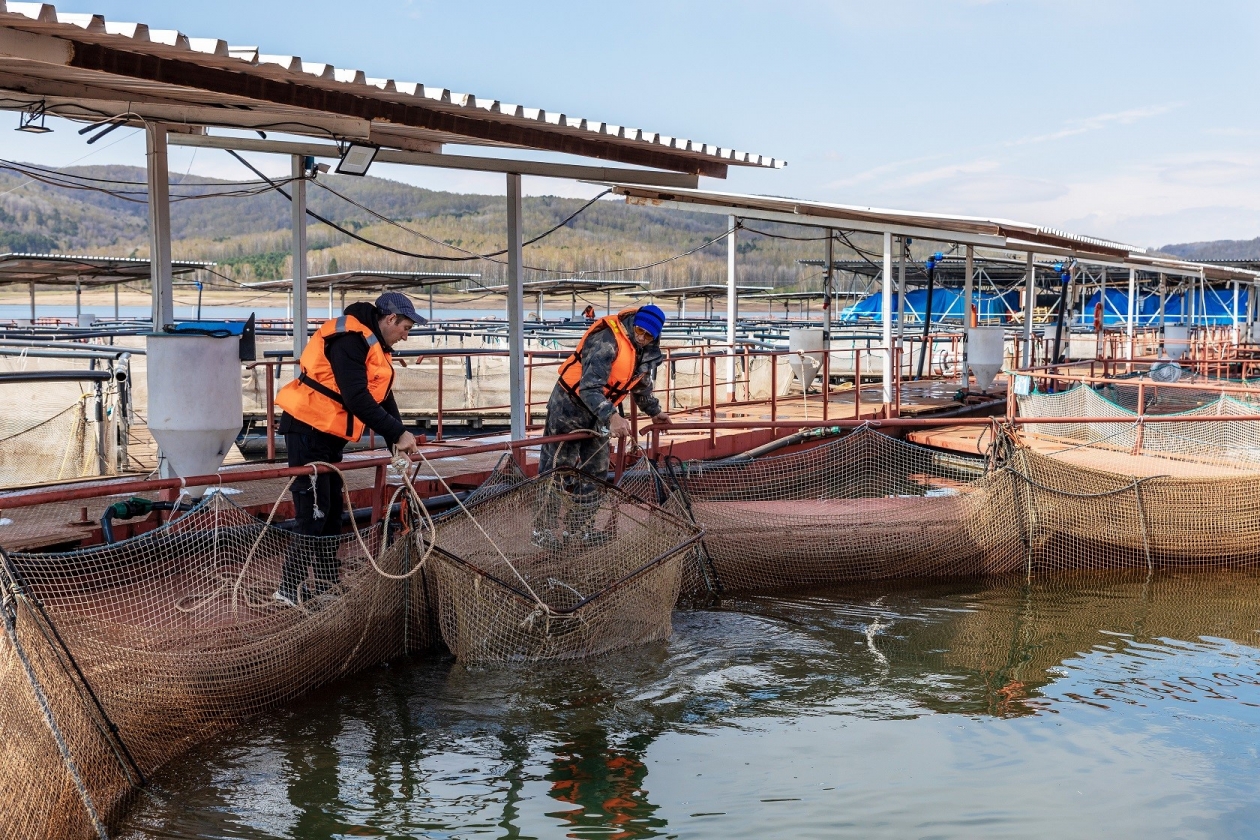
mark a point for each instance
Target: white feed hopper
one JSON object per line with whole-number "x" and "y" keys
{"x": 195, "y": 410}
{"x": 806, "y": 346}
{"x": 1176, "y": 340}
{"x": 985, "y": 354}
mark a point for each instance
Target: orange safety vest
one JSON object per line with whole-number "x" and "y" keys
{"x": 622, "y": 377}
{"x": 313, "y": 397}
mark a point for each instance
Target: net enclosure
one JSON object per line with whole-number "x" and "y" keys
{"x": 869, "y": 507}
{"x": 116, "y": 658}
{"x": 1230, "y": 441}
{"x": 864, "y": 507}
{"x": 559, "y": 567}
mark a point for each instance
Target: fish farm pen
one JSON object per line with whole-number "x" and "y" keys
{"x": 1022, "y": 407}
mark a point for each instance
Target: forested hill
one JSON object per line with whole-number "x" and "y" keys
{"x": 248, "y": 235}
{"x": 1221, "y": 249}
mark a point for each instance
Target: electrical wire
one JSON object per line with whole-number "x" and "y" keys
{"x": 489, "y": 257}
{"x": 782, "y": 235}
{"x": 471, "y": 255}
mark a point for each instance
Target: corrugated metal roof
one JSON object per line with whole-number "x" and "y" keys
{"x": 66, "y": 269}
{"x": 704, "y": 290}
{"x": 368, "y": 280}
{"x": 573, "y": 285}
{"x": 870, "y": 218}
{"x": 102, "y": 47}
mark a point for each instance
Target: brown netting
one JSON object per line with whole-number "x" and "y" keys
{"x": 143, "y": 648}
{"x": 864, "y": 507}
{"x": 1232, "y": 442}
{"x": 115, "y": 659}
{"x": 1073, "y": 518}
{"x": 64, "y": 446}
{"x": 560, "y": 567}
{"x": 869, "y": 507}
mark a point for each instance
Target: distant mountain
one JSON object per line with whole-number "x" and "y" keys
{"x": 1221, "y": 249}
{"x": 247, "y": 232}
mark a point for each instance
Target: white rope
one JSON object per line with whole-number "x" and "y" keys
{"x": 542, "y": 605}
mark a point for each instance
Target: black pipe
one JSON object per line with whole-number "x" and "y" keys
{"x": 56, "y": 376}
{"x": 927, "y": 322}
{"x": 1058, "y": 327}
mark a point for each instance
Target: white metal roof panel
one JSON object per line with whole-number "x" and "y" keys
{"x": 215, "y": 54}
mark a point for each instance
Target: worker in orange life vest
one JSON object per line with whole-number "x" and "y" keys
{"x": 617, "y": 357}
{"x": 343, "y": 389}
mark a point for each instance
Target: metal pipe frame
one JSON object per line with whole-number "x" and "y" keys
{"x": 22, "y": 499}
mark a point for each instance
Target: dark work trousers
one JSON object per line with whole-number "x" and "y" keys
{"x": 579, "y": 499}
{"x": 318, "y": 503}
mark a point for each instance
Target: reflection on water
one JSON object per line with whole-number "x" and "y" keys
{"x": 949, "y": 710}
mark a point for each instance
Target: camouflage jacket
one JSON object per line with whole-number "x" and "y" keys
{"x": 597, "y": 360}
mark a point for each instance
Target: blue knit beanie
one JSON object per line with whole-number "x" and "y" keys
{"x": 650, "y": 318}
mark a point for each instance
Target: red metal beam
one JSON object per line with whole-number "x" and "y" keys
{"x": 10, "y": 501}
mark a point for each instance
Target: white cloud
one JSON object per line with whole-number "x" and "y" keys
{"x": 1087, "y": 124}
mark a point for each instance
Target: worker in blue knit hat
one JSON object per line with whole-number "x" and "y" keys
{"x": 616, "y": 357}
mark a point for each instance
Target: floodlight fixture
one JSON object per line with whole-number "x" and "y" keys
{"x": 26, "y": 120}
{"x": 357, "y": 158}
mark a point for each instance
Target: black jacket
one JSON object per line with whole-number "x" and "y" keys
{"x": 347, "y": 355}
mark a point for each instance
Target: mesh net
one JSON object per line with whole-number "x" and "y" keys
{"x": 1173, "y": 400}
{"x": 1068, "y": 517}
{"x": 560, "y": 567}
{"x": 64, "y": 446}
{"x": 868, "y": 507}
{"x": 864, "y": 507}
{"x": 116, "y": 658}
{"x": 1211, "y": 440}
{"x": 128, "y": 654}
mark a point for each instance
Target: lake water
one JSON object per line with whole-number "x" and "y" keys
{"x": 1076, "y": 708}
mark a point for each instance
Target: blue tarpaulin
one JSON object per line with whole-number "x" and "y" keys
{"x": 947, "y": 305}
{"x": 1211, "y": 306}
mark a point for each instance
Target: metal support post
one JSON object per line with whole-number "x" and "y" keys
{"x": 33, "y": 304}
{"x": 1131, "y": 314}
{"x": 886, "y": 319}
{"x": 299, "y": 255}
{"x": 430, "y": 302}
{"x": 158, "y": 176}
{"x": 115, "y": 301}
{"x": 903, "y": 248}
{"x": 78, "y": 300}
{"x": 1163, "y": 300}
{"x": 969, "y": 285}
{"x": 732, "y": 308}
{"x": 1235, "y": 313}
{"x": 516, "y": 306}
{"x": 828, "y": 280}
{"x": 1030, "y": 306}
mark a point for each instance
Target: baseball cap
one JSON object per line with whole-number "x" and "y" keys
{"x": 396, "y": 303}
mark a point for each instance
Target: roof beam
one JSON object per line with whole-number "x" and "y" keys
{"x": 76, "y": 101}
{"x": 98, "y": 58}
{"x": 540, "y": 169}
{"x": 805, "y": 220}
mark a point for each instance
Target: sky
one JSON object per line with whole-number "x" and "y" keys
{"x": 1131, "y": 120}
